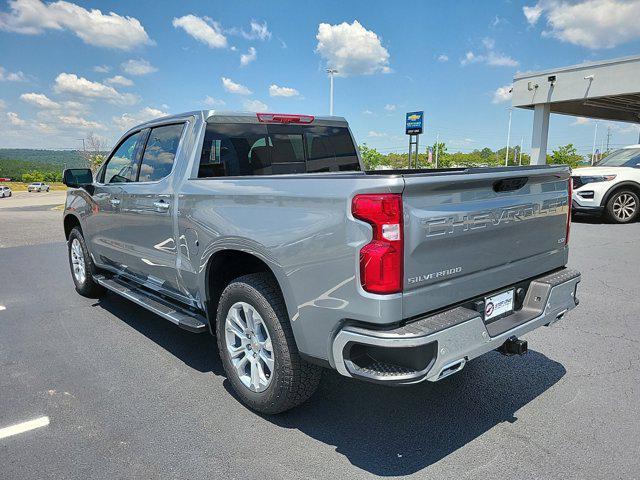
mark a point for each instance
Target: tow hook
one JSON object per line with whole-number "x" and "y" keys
{"x": 513, "y": 346}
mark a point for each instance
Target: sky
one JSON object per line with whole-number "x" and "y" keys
{"x": 68, "y": 70}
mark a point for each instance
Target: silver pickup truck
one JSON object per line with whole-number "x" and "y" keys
{"x": 264, "y": 230}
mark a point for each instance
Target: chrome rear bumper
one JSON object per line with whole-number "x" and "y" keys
{"x": 437, "y": 346}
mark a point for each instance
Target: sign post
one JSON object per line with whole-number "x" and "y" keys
{"x": 414, "y": 126}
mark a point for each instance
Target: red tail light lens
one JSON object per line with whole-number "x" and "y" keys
{"x": 381, "y": 260}
{"x": 284, "y": 118}
{"x": 570, "y": 190}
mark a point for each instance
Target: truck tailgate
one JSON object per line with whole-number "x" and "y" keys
{"x": 469, "y": 233}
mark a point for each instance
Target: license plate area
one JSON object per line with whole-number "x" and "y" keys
{"x": 498, "y": 305}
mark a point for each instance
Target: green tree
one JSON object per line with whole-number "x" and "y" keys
{"x": 371, "y": 158}
{"x": 565, "y": 155}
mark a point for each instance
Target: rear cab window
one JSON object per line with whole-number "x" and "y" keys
{"x": 247, "y": 149}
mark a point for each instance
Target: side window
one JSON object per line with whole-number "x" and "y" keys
{"x": 122, "y": 166}
{"x": 235, "y": 149}
{"x": 160, "y": 152}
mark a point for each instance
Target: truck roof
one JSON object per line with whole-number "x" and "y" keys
{"x": 231, "y": 116}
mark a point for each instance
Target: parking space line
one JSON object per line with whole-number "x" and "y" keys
{"x": 23, "y": 427}
{"x": 2, "y": 307}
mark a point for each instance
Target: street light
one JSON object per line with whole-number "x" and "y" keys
{"x": 331, "y": 72}
{"x": 506, "y": 155}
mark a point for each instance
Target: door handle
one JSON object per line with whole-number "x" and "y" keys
{"x": 161, "y": 205}
{"x": 114, "y": 201}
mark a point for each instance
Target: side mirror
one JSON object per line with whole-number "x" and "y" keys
{"x": 77, "y": 177}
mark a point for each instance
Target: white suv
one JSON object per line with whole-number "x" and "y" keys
{"x": 611, "y": 186}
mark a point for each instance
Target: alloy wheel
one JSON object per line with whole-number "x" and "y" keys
{"x": 249, "y": 346}
{"x": 77, "y": 261}
{"x": 624, "y": 207}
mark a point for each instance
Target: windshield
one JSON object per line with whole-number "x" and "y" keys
{"x": 626, "y": 157}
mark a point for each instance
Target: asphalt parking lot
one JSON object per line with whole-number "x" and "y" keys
{"x": 129, "y": 395}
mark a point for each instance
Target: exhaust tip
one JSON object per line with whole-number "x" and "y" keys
{"x": 451, "y": 368}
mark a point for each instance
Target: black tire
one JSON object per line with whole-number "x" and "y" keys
{"x": 293, "y": 380}
{"x": 86, "y": 286}
{"x": 615, "y": 211}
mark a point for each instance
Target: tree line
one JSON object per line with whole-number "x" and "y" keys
{"x": 31, "y": 165}
{"x": 486, "y": 157}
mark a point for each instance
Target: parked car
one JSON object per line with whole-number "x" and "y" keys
{"x": 264, "y": 230}
{"x": 38, "y": 187}
{"x": 611, "y": 187}
{"x": 5, "y": 191}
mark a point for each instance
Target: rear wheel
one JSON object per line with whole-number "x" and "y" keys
{"x": 257, "y": 348}
{"x": 623, "y": 206}
{"x": 82, "y": 267}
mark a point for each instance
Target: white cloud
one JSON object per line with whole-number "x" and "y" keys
{"x": 498, "y": 20}
{"x": 257, "y": 31}
{"x": 34, "y": 17}
{"x": 500, "y": 60}
{"x": 102, "y": 69}
{"x": 443, "y": 58}
{"x": 72, "y": 84}
{"x": 367, "y": 112}
{"x": 6, "y": 76}
{"x": 247, "y": 58}
{"x": 3, "y": 104}
{"x": 489, "y": 56}
{"x": 502, "y": 94}
{"x": 374, "y": 134}
{"x": 390, "y": 107}
{"x": 581, "y": 121}
{"x": 202, "y": 29}
{"x": 79, "y": 122}
{"x": 532, "y": 14}
{"x": 15, "y": 120}
{"x": 39, "y": 100}
{"x": 119, "y": 80}
{"x": 213, "y": 102}
{"x": 277, "y": 91}
{"x": 138, "y": 67}
{"x": 593, "y": 24}
{"x": 233, "y": 87}
{"x": 127, "y": 120}
{"x": 255, "y": 106}
{"x": 352, "y": 49}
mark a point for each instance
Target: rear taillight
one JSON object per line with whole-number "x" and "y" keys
{"x": 570, "y": 190}
{"x": 284, "y": 118}
{"x": 381, "y": 259}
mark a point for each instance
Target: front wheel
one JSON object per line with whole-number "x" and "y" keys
{"x": 82, "y": 266}
{"x": 257, "y": 348}
{"x": 623, "y": 206}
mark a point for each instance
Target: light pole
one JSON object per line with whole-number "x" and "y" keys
{"x": 520, "y": 152}
{"x": 593, "y": 150}
{"x": 84, "y": 151}
{"x": 506, "y": 155}
{"x": 331, "y": 72}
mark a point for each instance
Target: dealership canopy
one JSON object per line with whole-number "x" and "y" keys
{"x": 606, "y": 90}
